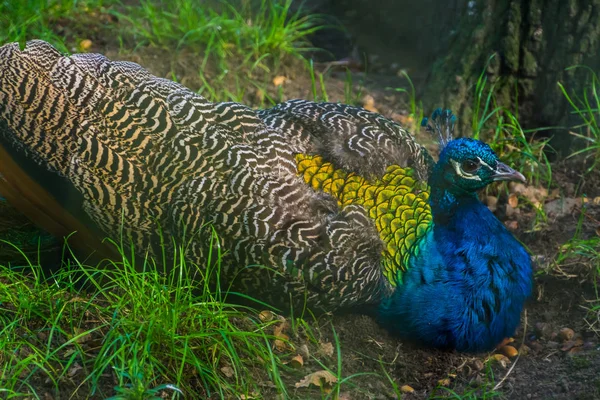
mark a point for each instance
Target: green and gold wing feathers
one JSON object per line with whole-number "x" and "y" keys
{"x": 315, "y": 202}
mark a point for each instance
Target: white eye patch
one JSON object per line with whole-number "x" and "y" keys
{"x": 463, "y": 174}
{"x": 484, "y": 164}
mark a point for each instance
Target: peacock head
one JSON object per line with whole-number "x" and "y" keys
{"x": 465, "y": 165}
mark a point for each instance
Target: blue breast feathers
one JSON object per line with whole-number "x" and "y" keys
{"x": 466, "y": 287}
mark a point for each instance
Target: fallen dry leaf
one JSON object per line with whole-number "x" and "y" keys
{"x": 524, "y": 350}
{"x": 279, "y": 328}
{"x": 74, "y": 370}
{"x": 69, "y": 352}
{"x": 406, "y": 389}
{"x": 444, "y": 382}
{"x": 303, "y": 350}
{"x": 368, "y": 100}
{"x": 297, "y": 362}
{"x": 513, "y": 200}
{"x": 281, "y": 344}
{"x": 80, "y": 339}
{"x": 500, "y": 359}
{"x": 320, "y": 378}
{"x": 369, "y": 103}
{"x": 266, "y": 316}
{"x": 566, "y": 334}
{"x": 327, "y": 349}
{"x": 532, "y": 193}
{"x": 575, "y": 350}
{"x": 279, "y": 80}
{"x": 571, "y": 344}
{"x": 477, "y": 365}
{"x": 509, "y": 351}
{"x": 492, "y": 203}
{"x": 227, "y": 371}
{"x": 85, "y": 44}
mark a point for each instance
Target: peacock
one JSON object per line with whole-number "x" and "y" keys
{"x": 323, "y": 204}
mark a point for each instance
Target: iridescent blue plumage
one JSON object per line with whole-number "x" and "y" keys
{"x": 466, "y": 287}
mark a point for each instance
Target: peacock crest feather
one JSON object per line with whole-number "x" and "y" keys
{"x": 443, "y": 126}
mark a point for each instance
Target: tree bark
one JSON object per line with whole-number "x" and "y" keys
{"x": 532, "y": 41}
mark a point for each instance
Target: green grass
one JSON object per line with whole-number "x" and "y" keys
{"x": 242, "y": 43}
{"x": 131, "y": 329}
{"x": 238, "y": 39}
{"x": 415, "y": 106}
{"x": 583, "y": 249}
{"x": 485, "y": 389}
{"x": 224, "y": 29}
{"x": 145, "y": 329}
{"x": 499, "y": 126}
{"x": 22, "y": 20}
{"x": 586, "y": 106}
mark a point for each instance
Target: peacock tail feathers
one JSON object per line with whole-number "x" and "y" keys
{"x": 114, "y": 151}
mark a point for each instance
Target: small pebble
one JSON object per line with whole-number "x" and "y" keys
{"x": 552, "y": 344}
{"x": 492, "y": 203}
{"x": 536, "y": 346}
{"x": 543, "y": 330}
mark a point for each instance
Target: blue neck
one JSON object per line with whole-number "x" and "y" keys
{"x": 467, "y": 284}
{"x": 446, "y": 198}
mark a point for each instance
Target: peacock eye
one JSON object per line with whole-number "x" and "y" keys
{"x": 470, "y": 166}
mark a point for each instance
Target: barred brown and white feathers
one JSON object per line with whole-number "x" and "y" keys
{"x": 107, "y": 149}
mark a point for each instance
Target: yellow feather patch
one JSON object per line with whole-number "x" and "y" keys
{"x": 396, "y": 202}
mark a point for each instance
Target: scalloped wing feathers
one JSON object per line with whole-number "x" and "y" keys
{"x": 132, "y": 155}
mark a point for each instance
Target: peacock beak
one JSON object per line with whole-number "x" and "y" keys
{"x": 505, "y": 173}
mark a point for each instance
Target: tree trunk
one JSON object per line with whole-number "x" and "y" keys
{"x": 532, "y": 43}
